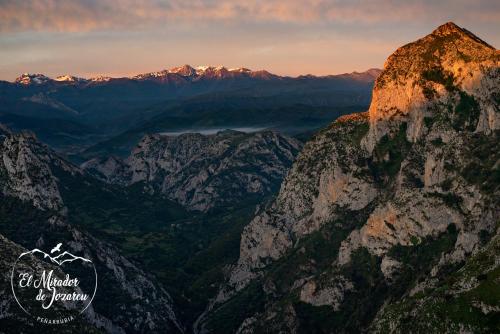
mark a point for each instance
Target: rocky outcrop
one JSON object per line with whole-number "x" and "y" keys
{"x": 204, "y": 171}
{"x": 25, "y": 170}
{"x": 331, "y": 296}
{"x": 111, "y": 169}
{"x": 418, "y": 171}
{"x": 422, "y": 77}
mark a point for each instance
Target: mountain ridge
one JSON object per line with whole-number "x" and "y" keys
{"x": 185, "y": 71}
{"x": 202, "y": 172}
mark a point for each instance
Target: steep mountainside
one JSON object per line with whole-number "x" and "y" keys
{"x": 204, "y": 171}
{"x": 34, "y": 203}
{"x": 388, "y": 220}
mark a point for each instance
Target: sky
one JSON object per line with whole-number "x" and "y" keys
{"x": 288, "y": 37}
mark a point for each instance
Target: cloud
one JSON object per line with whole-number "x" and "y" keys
{"x": 97, "y": 15}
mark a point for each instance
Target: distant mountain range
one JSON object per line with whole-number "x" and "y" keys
{"x": 185, "y": 73}
{"x": 72, "y": 113}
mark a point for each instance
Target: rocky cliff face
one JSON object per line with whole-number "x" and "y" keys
{"x": 447, "y": 67}
{"x": 25, "y": 170}
{"x": 33, "y": 214}
{"x": 381, "y": 206}
{"x": 204, "y": 171}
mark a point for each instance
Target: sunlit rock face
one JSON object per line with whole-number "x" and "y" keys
{"x": 420, "y": 76}
{"x": 417, "y": 174}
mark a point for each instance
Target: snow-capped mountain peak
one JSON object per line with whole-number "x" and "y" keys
{"x": 185, "y": 70}
{"x": 202, "y": 68}
{"x": 27, "y": 79}
{"x": 68, "y": 78}
{"x": 198, "y": 72}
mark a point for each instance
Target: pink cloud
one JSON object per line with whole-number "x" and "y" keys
{"x": 89, "y": 15}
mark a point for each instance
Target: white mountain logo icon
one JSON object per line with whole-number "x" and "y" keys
{"x": 59, "y": 259}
